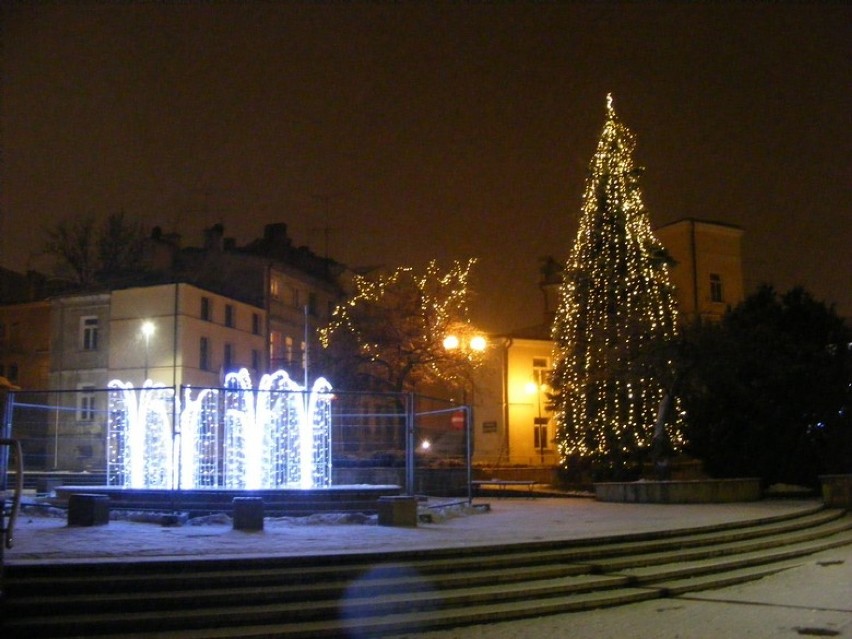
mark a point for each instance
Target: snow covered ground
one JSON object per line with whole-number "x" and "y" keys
{"x": 813, "y": 599}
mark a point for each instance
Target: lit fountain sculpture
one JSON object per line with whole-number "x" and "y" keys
{"x": 238, "y": 437}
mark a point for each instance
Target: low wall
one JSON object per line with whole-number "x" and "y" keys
{"x": 837, "y": 490}
{"x": 700, "y": 491}
{"x": 538, "y": 474}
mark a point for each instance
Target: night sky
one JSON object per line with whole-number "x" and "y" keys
{"x": 396, "y": 133}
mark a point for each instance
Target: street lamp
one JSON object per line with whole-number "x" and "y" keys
{"x": 469, "y": 346}
{"x": 147, "y": 331}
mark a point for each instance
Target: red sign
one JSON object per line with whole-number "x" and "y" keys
{"x": 458, "y": 420}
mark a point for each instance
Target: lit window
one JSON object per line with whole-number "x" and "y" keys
{"x": 288, "y": 350}
{"x": 89, "y": 333}
{"x": 275, "y": 286}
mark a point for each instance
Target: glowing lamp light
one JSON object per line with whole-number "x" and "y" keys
{"x": 451, "y": 342}
{"x": 478, "y": 343}
{"x": 148, "y": 329}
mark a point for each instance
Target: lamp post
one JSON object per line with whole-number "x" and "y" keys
{"x": 539, "y": 421}
{"x": 147, "y": 331}
{"x": 473, "y": 345}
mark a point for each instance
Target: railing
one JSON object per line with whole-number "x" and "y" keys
{"x": 7, "y": 527}
{"x": 418, "y": 442}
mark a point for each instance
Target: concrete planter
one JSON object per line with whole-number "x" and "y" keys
{"x": 398, "y": 511}
{"x": 837, "y": 490}
{"x": 700, "y": 491}
{"x": 88, "y": 510}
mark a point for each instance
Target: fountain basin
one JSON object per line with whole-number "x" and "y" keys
{"x": 297, "y": 502}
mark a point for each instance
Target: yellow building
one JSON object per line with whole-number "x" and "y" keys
{"x": 708, "y": 271}
{"x": 512, "y": 425}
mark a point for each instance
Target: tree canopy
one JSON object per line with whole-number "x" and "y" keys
{"x": 95, "y": 250}
{"x": 390, "y": 334}
{"x": 769, "y": 392}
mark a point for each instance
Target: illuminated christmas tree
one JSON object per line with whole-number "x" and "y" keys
{"x": 615, "y": 318}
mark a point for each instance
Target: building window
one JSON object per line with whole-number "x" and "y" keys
{"x": 229, "y": 315}
{"x": 312, "y": 304}
{"x": 541, "y": 371}
{"x": 288, "y": 350}
{"x": 275, "y": 286}
{"x": 294, "y": 297}
{"x": 204, "y": 354}
{"x": 255, "y": 359}
{"x": 276, "y": 350}
{"x": 89, "y": 333}
{"x": 86, "y": 404}
{"x": 540, "y": 434}
{"x": 255, "y": 324}
{"x": 228, "y": 357}
{"x": 716, "y": 288}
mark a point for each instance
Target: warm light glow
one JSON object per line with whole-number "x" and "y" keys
{"x": 615, "y": 301}
{"x": 426, "y": 444}
{"x": 147, "y": 329}
{"x": 451, "y": 342}
{"x": 478, "y": 343}
{"x": 531, "y": 388}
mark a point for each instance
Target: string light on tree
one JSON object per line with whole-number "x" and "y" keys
{"x": 616, "y": 305}
{"x": 394, "y": 326}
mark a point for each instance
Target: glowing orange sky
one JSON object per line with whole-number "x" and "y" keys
{"x": 433, "y": 130}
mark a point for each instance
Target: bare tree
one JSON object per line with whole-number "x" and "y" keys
{"x": 93, "y": 251}
{"x": 390, "y": 334}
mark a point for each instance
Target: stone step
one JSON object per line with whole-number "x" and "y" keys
{"x": 353, "y": 604}
{"x": 409, "y": 591}
{"x": 735, "y": 546}
{"x": 167, "y": 576}
{"x": 414, "y": 622}
{"x": 686, "y": 569}
{"x": 365, "y": 584}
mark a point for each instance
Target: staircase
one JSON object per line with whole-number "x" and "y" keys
{"x": 400, "y": 592}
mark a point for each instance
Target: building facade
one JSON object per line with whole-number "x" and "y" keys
{"x": 25, "y": 344}
{"x": 513, "y": 425}
{"x": 708, "y": 270}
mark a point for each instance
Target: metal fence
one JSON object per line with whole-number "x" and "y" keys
{"x": 75, "y": 437}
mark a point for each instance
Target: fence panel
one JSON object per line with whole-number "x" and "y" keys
{"x": 203, "y": 440}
